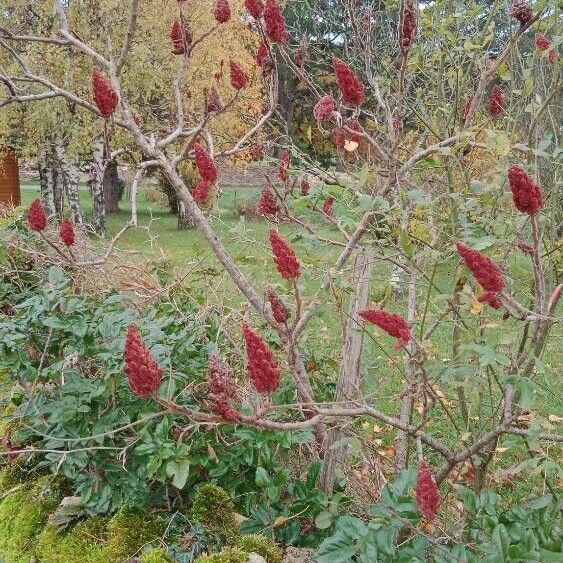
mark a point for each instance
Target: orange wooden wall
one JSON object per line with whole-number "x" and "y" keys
{"x": 9, "y": 179}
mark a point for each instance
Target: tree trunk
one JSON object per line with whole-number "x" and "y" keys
{"x": 349, "y": 381}
{"x": 50, "y": 188}
{"x": 111, "y": 187}
{"x": 185, "y": 220}
{"x": 96, "y": 184}
{"x": 173, "y": 201}
{"x": 70, "y": 177}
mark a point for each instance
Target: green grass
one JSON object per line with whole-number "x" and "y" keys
{"x": 176, "y": 252}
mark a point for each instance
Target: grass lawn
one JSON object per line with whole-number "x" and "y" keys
{"x": 180, "y": 251}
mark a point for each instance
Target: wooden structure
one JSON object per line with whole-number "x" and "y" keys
{"x": 9, "y": 178}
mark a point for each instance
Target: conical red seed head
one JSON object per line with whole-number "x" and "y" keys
{"x": 36, "y": 217}
{"x": 391, "y": 323}
{"x": 351, "y": 88}
{"x": 262, "y": 369}
{"x": 268, "y": 204}
{"x": 427, "y": 495}
{"x": 204, "y": 164}
{"x": 324, "y": 108}
{"x": 485, "y": 271}
{"x": 279, "y": 308}
{"x": 255, "y": 8}
{"x": 104, "y": 97}
{"x": 526, "y": 194}
{"x": 142, "y": 371}
{"x": 275, "y": 22}
{"x": 496, "y": 101}
{"x": 239, "y": 79}
{"x": 284, "y": 257}
{"x": 222, "y": 11}
{"x": 66, "y": 232}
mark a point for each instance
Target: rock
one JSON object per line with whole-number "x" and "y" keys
{"x": 299, "y": 555}
{"x": 255, "y": 558}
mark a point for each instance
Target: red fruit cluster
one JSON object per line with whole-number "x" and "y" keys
{"x": 496, "y": 101}
{"x": 66, "y": 232}
{"x": 392, "y": 324}
{"x": 262, "y": 54}
{"x": 526, "y": 194}
{"x": 222, "y": 11}
{"x": 262, "y": 369}
{"x": 104, "y": 97}
{"x": 239, "y": 79}
{"x": 268, "y": 204}
{"x": 279, "y": 308}
{"x": 351, "y": 88}
{"x": 283, "y": 171}
{"x": 257, "y": 151}
{"x": 204, "y": 164}
{"x": 407, "y": 25}
{"x": 136, "y": 119}
{"x": 427, "y": 495}
{"x": 305, "y": 187}
{"x": 552, "y": 55}
{"x": 541, "y": 42}
{"x": 36, "y": 217}
{"x": 284, "y": 257}
{"x": 212, "y": 100}
{"x": 521, "y": 11}
{"x": 491, "y": 298}
{"x": 181, "y": 38}
{"x": 328, "y": 206}
{"x": 485, "y": 271}
{"x": 222, "y": 389}
{"x": 324, "y": 108}
{"x": 142, "y": 371}
{"x": 255, "y": 8}
{"x": 202, "y": 191}
{"x": 275, "y": 22}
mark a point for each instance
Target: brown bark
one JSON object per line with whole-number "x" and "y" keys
{"x": 349, "y": 381}
{"x": 111, "y": 187}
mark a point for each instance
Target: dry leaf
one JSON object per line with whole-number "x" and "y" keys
{"x": 350, "y": 146}
{"x": 476, "y": 307}
{"x": 212, "y": 454}
{"x": 279, "y": 521}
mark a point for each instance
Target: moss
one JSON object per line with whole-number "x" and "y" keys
{"x": 229, "y": 555}
{"x": 156, "y": 556}
{"x": 261, "y": 545}
{"x": 84, "y": 543}
{"x": 14, "y": 474}
{"x": 214, "y": 510}
{"x": 23, "y": 515}
{"x": 129, "y": 531}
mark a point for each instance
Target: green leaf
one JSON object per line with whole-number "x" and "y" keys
{"x": 179, "y": 471}
{"x": 323, "y": 520}
{"x": 261, "y": 479}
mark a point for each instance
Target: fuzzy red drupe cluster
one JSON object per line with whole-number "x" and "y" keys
{"x": 275, "y": 22}
{"x": 262, "y": 54}
{"x": 324, "y": 108}
{"x": 491, "y": 298}
{"x": 496, "y": 101}
{"x": 36, "y": 217}
{"x": 103, "y": 95}
{"x": 392, "y": 324}
{"x": 407, "y": 25}
{"x": 255, "y": 8}
{"x": 466, "y": 107}
{"x": 239, "y": 78}
{"x": 180, "y": 39}
{"x": 222, "y": 11}
{"x": 142, "y": 371}
{"x": 66, "y": 232}
{"x": 212, "y": 100}
{"x": 204, "y": 164}
{"x": 268, "y": 204}
{"x": 526, "y": 194}
{"x": 427, "y": 495}
{"x": 261, "y": 366}
{"x": 284, "y": 257}
{"x": 305, "y": 187}
{"x": 485, "y": 271}
{"x": 202, "y": 191}
{"x": 279, "y": 308}
{"x": 522, "y": 11}
{"x": 222, "y": 389}
{"x": 541, "y": 42}
{"x": 257, "y": 151}
{"x": 351, "y": 88}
